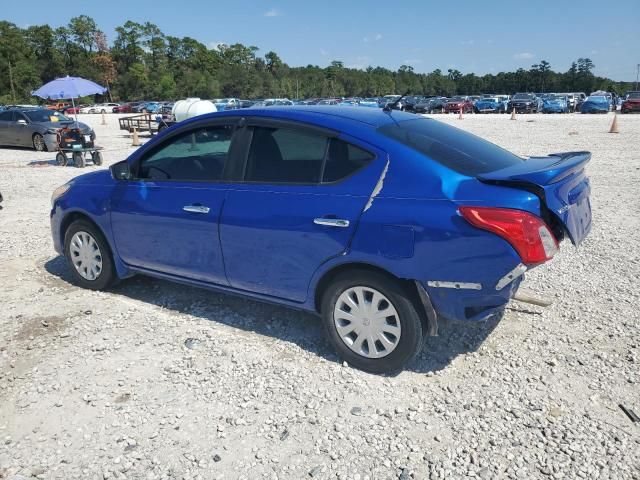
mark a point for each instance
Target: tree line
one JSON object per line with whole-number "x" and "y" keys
{"x": 144, "y": 63}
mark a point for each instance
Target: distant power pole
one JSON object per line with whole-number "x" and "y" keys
{"x": 637, "y": 75}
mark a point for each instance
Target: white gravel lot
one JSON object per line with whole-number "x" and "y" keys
{"x": 101, "y": 385}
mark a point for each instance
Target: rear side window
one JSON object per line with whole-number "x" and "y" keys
{"x": 6, "y": 116}
{"x": 456, "y": 149}
{"x": 343, "y": 159}
{"x": 280, "y": 155}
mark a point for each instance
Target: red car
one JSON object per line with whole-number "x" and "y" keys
{"x": 125, "y": 107}
{"x": 459, "y": 102}
{"x": 631, "y": 102}
{"x": 72, "y": 110}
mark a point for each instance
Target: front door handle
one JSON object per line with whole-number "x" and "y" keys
{"x": 196, "y": 209}
{"x": 331, "y": 222}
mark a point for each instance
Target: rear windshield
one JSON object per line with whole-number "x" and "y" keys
{"x": 454, "y": 148}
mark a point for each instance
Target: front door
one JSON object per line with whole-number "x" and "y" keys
{"x": 298, "y": 206}
{"x": 166, "y": 219}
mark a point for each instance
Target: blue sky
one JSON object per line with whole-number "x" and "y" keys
{"x": 472, "y": 36}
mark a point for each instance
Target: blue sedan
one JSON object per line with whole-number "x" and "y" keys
{"x": 380, "y": 222}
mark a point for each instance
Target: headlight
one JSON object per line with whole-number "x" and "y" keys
{"x": 58, "y": 192}
{"x": 51, "y": 131}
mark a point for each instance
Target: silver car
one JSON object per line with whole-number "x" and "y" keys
{"x": 36, "y": 128}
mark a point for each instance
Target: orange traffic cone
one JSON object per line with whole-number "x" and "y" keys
{"x": 513, "y": 113}
{"x": 136, "y": 140}
{"x": 104, "y": 119}
{"x": 614, "y": 125}
{"x": 460, "y": 116}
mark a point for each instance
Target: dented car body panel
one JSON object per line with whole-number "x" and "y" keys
{"x": 277, "y": 242}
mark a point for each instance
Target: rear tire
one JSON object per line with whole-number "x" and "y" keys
{"x": 85, "y": 248}
{"x": 78, "y": 160}
{"x": 96, "y": 157}
{"x": 61, "y": 159}
{"x": 380, "y": 294}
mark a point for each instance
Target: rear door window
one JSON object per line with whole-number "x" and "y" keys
{"x": 454, "y": 148}
{"x": 344, "y": 159}
{"x": 279, "y": 155}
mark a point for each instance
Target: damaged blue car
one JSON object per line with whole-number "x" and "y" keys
{"x": 380, "y": 222}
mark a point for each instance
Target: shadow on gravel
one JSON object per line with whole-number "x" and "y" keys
{"x": 287, "y": 324}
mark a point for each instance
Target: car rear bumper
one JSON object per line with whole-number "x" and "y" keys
{"x": 470, "y": 304}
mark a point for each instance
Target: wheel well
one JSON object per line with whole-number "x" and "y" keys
{"x": 327, "y": 278}
{"x": 72, "y": 217}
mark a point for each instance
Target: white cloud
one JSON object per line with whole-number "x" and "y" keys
{"x": 523, "y": 56}
{"x": 467, "y": 42}
{"x": 411, "y": 61}
{"x": 594, "y": 52}
{"x": 273, "y": 13}
{"x": 375, "y": 38}
{"x": 323, "y": 52}
{"x": 215, "y": 45}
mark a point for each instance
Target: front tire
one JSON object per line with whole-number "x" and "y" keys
{"x": 88, "y": 256}
{"x": 372, "y": 321}
{"x": 38, "y": 143}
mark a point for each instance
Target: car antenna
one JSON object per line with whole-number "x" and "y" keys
{"x": 389, "y": 106}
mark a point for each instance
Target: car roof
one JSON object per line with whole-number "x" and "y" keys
{"x": 324, "y": 115}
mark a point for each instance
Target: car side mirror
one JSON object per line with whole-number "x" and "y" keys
{"x": 120, "y": 171}
{"x": 22, "y": 122}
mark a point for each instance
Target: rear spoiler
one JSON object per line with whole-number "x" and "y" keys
{"x": 540, "y": 170}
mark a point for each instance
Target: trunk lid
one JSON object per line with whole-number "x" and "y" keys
{"x": 560, "y": 183}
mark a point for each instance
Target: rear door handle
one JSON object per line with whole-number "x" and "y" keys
{"x": 331, "y": 222}
{"x": 196, "y": 209}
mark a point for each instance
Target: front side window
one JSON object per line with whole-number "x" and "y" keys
{"x": 196, "y": 155}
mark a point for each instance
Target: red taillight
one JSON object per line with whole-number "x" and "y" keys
{"x": 527, "y": 233}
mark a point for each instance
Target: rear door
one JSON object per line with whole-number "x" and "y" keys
{"x": 301, "y": 195}
{"x": 166, "y": 219}
{"x": 6, "y": 119}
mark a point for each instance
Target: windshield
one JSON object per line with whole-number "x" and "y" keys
{"x": 597, "y": 98}
{"x": 45, "y": 116}
{"x": 633, "y": 95}
{"x": 456, "y": 149}
{"x": 457, "y": 99}
{"x": 555, "y": 97}
{"x": 522, "y": 96}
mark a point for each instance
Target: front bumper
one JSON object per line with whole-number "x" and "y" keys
{"x": 522, "y": 108}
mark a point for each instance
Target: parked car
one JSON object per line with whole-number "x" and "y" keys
{"x": 329, "y": 101}
{"x": 36, "y": 128}
{"x": 555, "y": 103}
{"x": 596, "y": 104}
{"x": 431, "y": 105}
{"x": 458, "y": 103}
{"x": 125, "y": 107}
{"x": 73, "y": 110}
{"x": 631, "y": 102}
{"x": 489, "y": 105}
{"x": 525, "y": 103}
{"x": 100, "y": 108}
{"x": 381, "y": 222}
{"x": 370, "y": 102}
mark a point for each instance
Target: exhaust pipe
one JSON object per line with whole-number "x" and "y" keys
{"x": 526, "y": 296}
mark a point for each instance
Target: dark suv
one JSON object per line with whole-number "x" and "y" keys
{"x": 525, "y": 103}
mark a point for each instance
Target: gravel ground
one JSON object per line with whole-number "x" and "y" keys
{"x": 160, "y": 381}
